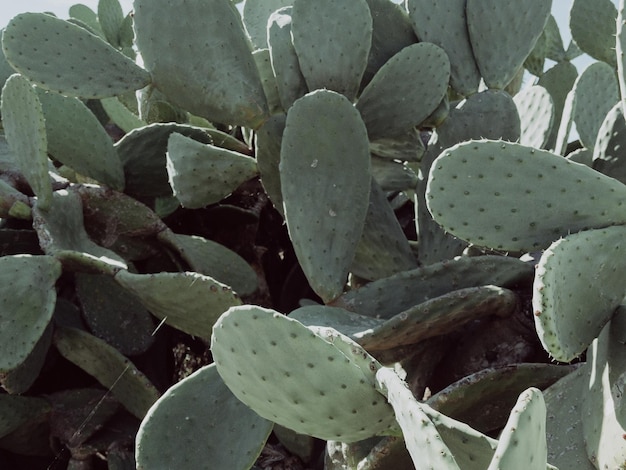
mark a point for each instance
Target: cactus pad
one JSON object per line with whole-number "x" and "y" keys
{"x": 596, "y": 91}
{"x": 292, "y": 376}
{"x": 26, "y": 305}
{"x": 188, "y": 301}
{"x": 325, "y": 162}
{"x": 204, "y": 174}
{"x": 63, "y": 64}
{"x": 423, "y": 441}
{"x": 24, "y": 125}
{"x": 514, "y": 27}
{"x": 522, "y": 444}
{"x": 224, "y": 86}
{"x": 577, "y": 287}
{"x": 129, "y": 385}
{"x": 201, "y": 414}
{"x": 332, "y": 40}
{"x": 504, "y": 196}
{"x": 77, "y": 139}
{"x": 445, "y": 25}
{"x": 405, "y": 91}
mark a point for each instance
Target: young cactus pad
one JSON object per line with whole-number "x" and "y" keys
{"x": 578, "y": 285}
{"x": 511, "y": 197}
{"x": 290, "y": 375}
{"x": 325, "y": 181}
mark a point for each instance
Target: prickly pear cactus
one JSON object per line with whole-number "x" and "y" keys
{"x": 212, "y": 254}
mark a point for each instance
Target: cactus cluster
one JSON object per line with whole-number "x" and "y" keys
{"x": 346, "y": 232}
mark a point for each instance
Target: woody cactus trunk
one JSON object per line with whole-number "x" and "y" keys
{"x": 313, "y": 234}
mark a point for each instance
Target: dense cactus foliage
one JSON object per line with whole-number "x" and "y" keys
{"x": 350, "y": 234}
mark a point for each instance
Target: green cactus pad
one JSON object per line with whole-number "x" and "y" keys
{"x": 498, "y": 114}
{"x": 514, "y": 26}
{"x": 406, "y": 148}
{"x": 332, "y": 40}
{"x": 87, "y": 16}
{"x": 62, "y": 234}
{"x": 143, "y": 154}
{"x": 445, "y": 25}
{"x": 76, "y": 63}
{"x": 558, "y": 80}
{"x": 77, "y": 139}
{"x": 592, "y": 24}
{"x": 607, "y": 157}
{"x": 111, "y": 18}
{"x": 202, "y": 174}
{"x": 10, "y": 198}
{"x": 256, "y": 19}
{"x": 393, "y": 175}
{"x": 522, "y": 444}
{"x": 123, "y": 117}
{"x": 263, "y": 61}
{"x": 548, "y": 46}
{"x": 391, "y": 32}
{"x": 566, "y": 446}
{"x": 5, "y": 68}
{"x": 562, "y": 136}
{"x": 577, "y": 287}
{"x": 20, "y": 379}
{"x": 596, "y": 91}
{"x": 325, "y": 162}
{"x": 212, "y": 259}
{"x": 109, "y": 367}
{"x": 202, "y": 415}
{"x": 383, "y": 249}
{"x": 25, "y": 129}
{"x": 390, "y": 296}
{"x": 344, "y": 321}
{"x": 423, "y": 441}
{"x": 26, "y": 305}
{"x": 602, "y": 410}
{"x": 188, "y": 301}
{"x": 224, "y": 86}
{"x": 536, "y": 111}
{"x": 476, "y": 401}
{"x": 289, "y": 79}
{"x": 438, "y": 316}
{"x": 499, "y": 119}
{"x": 16, "y": 411}
{"x": 267, "y": 151}
{"x": 620, "y": 49}
{"x": 472, "y": 449}
{"x": 290, "y": 375}
{"x": 405, "y": 91}
{"x": 113, "y": 314}
{"x": 512, "y": 197}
